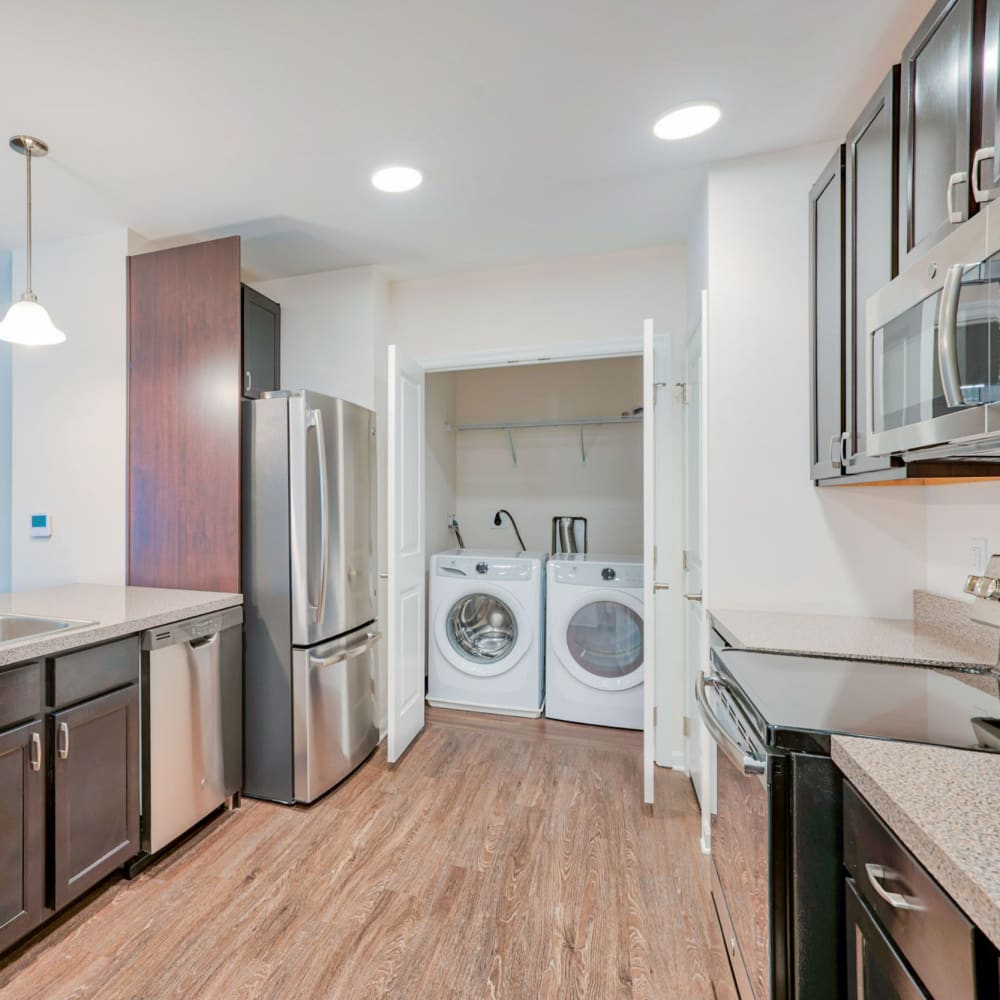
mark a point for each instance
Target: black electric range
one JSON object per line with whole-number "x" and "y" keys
{"x": 777, "y": 834}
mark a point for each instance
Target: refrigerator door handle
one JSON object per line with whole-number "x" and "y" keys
{"x": 314, "y": 419}
{"x": 370, "y": 639}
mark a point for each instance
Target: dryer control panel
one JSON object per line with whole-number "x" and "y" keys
{"x": 594, "y": 573}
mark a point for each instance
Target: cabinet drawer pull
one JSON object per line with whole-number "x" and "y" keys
{"x": 982, "y": 156}
{"x": 835, "y": 451}
{"x": 62, "y": 741}
{"x": 36, "y": 752}
{"x": 876, "y": 873}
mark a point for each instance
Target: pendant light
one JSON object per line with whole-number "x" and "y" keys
{"x": 26, "y": 321}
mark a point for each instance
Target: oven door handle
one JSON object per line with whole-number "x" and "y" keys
{"x": 748, "y": 763}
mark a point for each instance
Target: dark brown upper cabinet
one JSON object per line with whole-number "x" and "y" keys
{"x": 986, "y": 164}
{"x": 871, "y": 257}
{"x": 185, "y": 386}
{"x": 261, "y": 343}
{"x": 941, "y": 121}
{"x": 826, "y": 321}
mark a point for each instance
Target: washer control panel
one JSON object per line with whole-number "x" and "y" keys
{"x": 495, "y": 567}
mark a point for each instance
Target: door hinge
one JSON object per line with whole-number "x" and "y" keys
{"x": 684, "y": 559}
{"x": 686, "y": 725}
{"x": 654, "y": 716}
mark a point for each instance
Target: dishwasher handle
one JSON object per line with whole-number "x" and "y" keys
{"x": 207, "y": 640}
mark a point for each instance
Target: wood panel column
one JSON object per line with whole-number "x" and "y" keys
{"x": 184, "y": 417}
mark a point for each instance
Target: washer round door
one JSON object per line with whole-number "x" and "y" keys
{"x": 483, "y": 632}
{"x": 599, "y": 640}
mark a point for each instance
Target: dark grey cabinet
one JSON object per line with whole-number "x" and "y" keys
{"x": 261, "y": 343}
{"x": 871, "y": 251}
{"x": 94, "y": 763}
{"x": 826, "y": 320}
{"x": 940, "y": 123}
{"x": 22, "y": 831}
{"x": 874, "y": 967}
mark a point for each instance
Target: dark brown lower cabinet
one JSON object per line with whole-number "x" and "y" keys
{"x": 874, "y": 967}
{"x": 94, "y": 821}
{"x": 22, "y": 840}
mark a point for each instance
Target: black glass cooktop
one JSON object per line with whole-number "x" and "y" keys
{"x": 796, "y": 702}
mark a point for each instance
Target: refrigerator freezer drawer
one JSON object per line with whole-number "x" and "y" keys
{"x": 333, "y": 691}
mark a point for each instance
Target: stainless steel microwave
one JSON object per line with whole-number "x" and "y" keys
{"x": 933, "y": 349}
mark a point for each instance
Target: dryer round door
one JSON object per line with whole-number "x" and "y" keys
{"x": 599, "y": 639}
{"x": 483, "y": 632}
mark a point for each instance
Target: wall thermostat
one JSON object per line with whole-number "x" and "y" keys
{"x": 41, "y": 526}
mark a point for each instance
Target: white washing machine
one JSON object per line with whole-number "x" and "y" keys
{"x": 594, "y": 648}
{"x": 487, "y": 624}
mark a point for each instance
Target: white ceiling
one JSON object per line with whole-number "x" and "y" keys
{"x": 531, "y": 120}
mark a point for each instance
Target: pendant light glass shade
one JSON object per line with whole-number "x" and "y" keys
{"x": 29, "y": 323}
{"x": 26, "y": 321}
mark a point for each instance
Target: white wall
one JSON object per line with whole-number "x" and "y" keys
{"x": 549, "y": 477}
{"x": 778, "y": 542}
{"x": 442, "y": 463}
{"x": 69, "y": 405}
{"x": 554, "y": 303}
{"x": 328, "y": 331}
{"x": 955, "y": 516}
{"x": 5, "y": 428}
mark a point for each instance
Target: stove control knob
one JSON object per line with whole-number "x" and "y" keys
{"x": 482, "y": 567}
{"x": 971, "y": 583}
{"x": 987, "y": 587}
{"x": 608, "y": 573}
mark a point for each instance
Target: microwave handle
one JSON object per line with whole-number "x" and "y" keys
{"x": 947, "y": 349}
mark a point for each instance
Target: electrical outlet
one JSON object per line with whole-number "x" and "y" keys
{"x": 978, "y": 554}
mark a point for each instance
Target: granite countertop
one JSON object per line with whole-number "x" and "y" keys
{"x": 943, "y": 805}
{"x": 116, "y": 611}
{"x": 939, "y": 634}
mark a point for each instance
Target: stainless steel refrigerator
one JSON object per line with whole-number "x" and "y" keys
{"x": 310, "y": 592}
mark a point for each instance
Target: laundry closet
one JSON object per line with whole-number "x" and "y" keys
{"x": 527, "y": 614}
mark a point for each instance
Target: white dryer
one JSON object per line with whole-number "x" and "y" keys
{"x": 487, "y": 625}
{"x": 594, "y": 654}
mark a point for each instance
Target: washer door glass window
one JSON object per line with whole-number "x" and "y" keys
{"x": 482, "y": 628}
{"x": 605, "y": 639}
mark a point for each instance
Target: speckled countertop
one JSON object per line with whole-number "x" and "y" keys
{"x": 939, "y": 634}
{"x": 115, "y": 611}
{"x": 944, "y": 805}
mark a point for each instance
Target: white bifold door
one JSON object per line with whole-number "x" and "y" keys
{"x": 407, "y": 598}
{"x": 656, "y": 504}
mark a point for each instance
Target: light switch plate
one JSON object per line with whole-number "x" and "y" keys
{"x": 978, "y": 554}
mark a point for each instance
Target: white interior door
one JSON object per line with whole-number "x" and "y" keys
{"x": 698, "y": 747}
{"x": 656, "y": 538}
{"x": 407, "y": 599}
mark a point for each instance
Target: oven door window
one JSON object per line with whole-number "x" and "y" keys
{"x": 907, "y": 385}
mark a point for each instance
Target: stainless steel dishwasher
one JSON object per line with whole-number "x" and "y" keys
{"x": 192, "y": 724}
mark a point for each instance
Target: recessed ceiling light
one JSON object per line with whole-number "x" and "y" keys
{"x": 687, "y": 120}
{"x": 396, "y": 179}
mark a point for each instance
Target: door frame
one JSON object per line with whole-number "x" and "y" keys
{"x": 670, "y": 712}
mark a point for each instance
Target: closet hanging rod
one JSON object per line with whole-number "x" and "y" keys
{"x": 514, "y": 425}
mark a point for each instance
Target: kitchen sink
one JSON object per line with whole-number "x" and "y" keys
{"x": 16, "y": 627}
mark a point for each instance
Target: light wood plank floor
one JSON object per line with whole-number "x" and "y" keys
{"x": 499, "y": 859}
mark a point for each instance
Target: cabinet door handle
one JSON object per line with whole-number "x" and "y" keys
{"x": 956, "y": 215}
{"x": 247, "y": 378}
{"x": 36, "y": 752}
{"x": 982, "y": 155}
{"x": 62, "y": 740}
{"x": 876, "y": 873}
{"x": 835, "y": 451}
